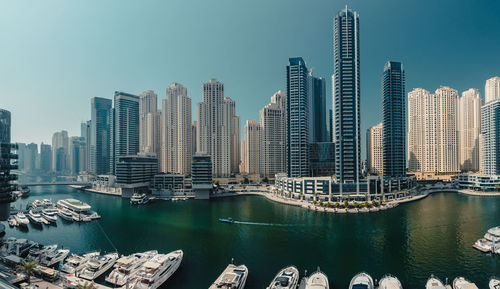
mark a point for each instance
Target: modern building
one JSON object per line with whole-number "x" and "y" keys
{"x": 45, "y": 158}
{"x": 318, "y": 128}
{"x": 479, "y": 182}
{"x": 135, "y": 172}
{"x": 7, "y": 163}
{"x": 298, "y": 113}
{"x": 214, "y": 128}
{"x": 201, "y": 171}
{"x": 149, "y": 123}
{"x": 126, "y": 127}
{"x": 393, "y": 120}
{"x": 273, "y": 136}
{"x": 30, "y": 158}
{"x": 171, "y": 184}
{"x": 346, "y": 97}
{"x": 251, "y": 148}
{"x": 375, "y": 149}
{"x": 177, "y": 131}
{"x": 100, "y": 136}
{"x": 60, "y": 150}
{"x": 432, "y": 133}
{"x": 322, "y": 159}
{"x": 77, "y": 155}
{"x": 234, "y": 134}
{"x": 490, "y": 130}
{"x": 492, "y": 89}
{"x": 469, "y": 129}
{"x": 194, "y": 137}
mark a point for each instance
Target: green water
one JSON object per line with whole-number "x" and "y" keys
{"x": 434, "y": 235}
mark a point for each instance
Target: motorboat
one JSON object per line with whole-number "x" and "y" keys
{"x": 317, "y": 280}
{"x": 65, "y": 214}
{"x": 462, "y": 283}
{"x": 226, "y": 220}
{"x": 21, "y": 247}
{"x": 233, "y": 277}
{"x": 156, "y": 271}
{"x": 46, "y": 203}
{"x": 22, "y": 220}
{"x": 24, "y": 192}
{"x": 389, "y": 282}
{"x": 434, "y": 283}
{"x": 127, "y": 266}
{"x": 39, "y": 252}
{"x": 54, "y": 257}
{"x": 37, "y": 204}
{"x": 483, "y": 245}
{"x": 75, "y": 263}
{"x": 50, "y": 215}
{"x": 287, "y": 278}
{"x": 361, "y": 281}
{"x": 97, "y": 265}
{"x": 7, "y": 246}
{"x": 139, "y": 199}
{"x": 494, "y": 283}
{"x": 35, "y": 217}
{"x": 12, "y": 221}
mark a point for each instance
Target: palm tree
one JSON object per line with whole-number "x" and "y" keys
{"x": 86, "y": 285}
{"x": 28, "y": 267}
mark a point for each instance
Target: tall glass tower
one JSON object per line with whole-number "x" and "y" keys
{"x": 394, "y": 120}
{"x": 346, "y": 95}
{"x": 100, "y": 130}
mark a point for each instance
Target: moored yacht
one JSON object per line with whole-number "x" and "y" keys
{"x": 317, "y": 280}
{"x": 434, "y": 283}
{"x": 483, "y": 245}
{"x": 361, "y": 281}
{"x": 65, "y": 214}
{"x": 22, "y": 246}
{"x": 127, "y": 266}
{"x": 156, "y": 271}
{"x": 54, "y": 257}
{"x": 35, "y": 217}
{"x": 22, "y": 220}
{"x": 75, "y": 263}
{"x": 389, "y": 282}
{"x": 494, "y": 283}
{"x": 287, "y": 278}
{"x": 462, "y": 283}
{"x": 138, "y": 199}
{"x": 38, "y": 252}
{"x": 233, "y": 277}
{"x": 97, "y": 265}
{"x": 50, "y": 215}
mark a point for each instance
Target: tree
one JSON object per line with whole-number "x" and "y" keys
{"x": 346, "y": 204}
{"x": 246, "y": 181}
{"x": 265, "y": 180}
{"x": 328, "y": 205}
{"x": 336, "y": 205}
{"x": 321, "y": 203}
{"x": 86, "y": 285}
{"x": 28, "y": 266}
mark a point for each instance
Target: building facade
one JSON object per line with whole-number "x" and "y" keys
{"x": 60, "y": 150}
{"x": 251, "y": 145}
{"x": 490, "y": 130}
{"x": 469, "y": 129}
{"x": 318, "y": 128}
{"x": 492, "y": 89}
{"x": 100, "y": 135}
{"x": 149, "y": 123}
{"x": 375, "y": 149}
{"x": 7, "y": 159}
{"x": 201, "y": 171}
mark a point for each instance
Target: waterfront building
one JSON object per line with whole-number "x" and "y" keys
{"x": 298, "y": 113}
{"x": 60, "y": 149}
{"x": 492, "y": 89}
{"x": 126, "y": 126}
{"x": 171, "y": 184}
{"x": 214, "y": 128}
{"x": 393, "y": 121}
{"x": 374, "y": 149}
{"x": 432, "y": 133}
{"x": 251, "y": 148}
{"x": 469, "y": 129}
{"x": 273, "y": 136}
{"x": 30, "y": 158}
{"x": 100, "y": 135}
{"x": 77, "y": 155}
{"x": 201, "y": 171}
{"x": 177, "y": 130}
{"x": 317, "y": 91}
{"x": 322, "y": 159}
{"x": 135, "y": 172}
{"x": 45, "y": 158}
{"x": 490, "y": 130}
{"x": 7, "y": 163}
{"x": 479, "y": 182}
{"x": 346, "y": 98}
{"x": 149, "y": 123}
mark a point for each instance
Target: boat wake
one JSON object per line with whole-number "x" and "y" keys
{"x": 264, "y": 224}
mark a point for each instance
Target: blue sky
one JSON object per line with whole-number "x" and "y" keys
{"x": 56, "y": 55}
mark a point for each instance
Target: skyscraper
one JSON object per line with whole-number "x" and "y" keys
{"x": 234, "y": 134}
{"x": 394, "y": 120}
{"x": 45, "y": 158}
{"x": 30, "y": 158}
{"x": 100, "y": 136}
{"x": 490, "y": 128}
{"x": 469, "y": 129}
{"x": 492, "y": 89}
{"x": 273, "y": 136}
{"x": 126, "y": 126}
{"x": 252, "y": 147}
{"x": 214, "y": 128}
{"x": 7, "y": 164}
{"x": 375, "y": 149}
{"x": 60, "y": 150}
{"x": 318, "y": 128}
{"x": 149, "y": 121}
{"x": 177, "y": 130}
{"x": 346, "y": 97}
{"x": 297, "y": 117}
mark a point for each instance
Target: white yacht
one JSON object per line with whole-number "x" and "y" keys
{"x": 38, "y": 252}
{"x": 138, "y": 199}
{"x": 233, "y": 277}
{"x": 287, "y": 278}
{"x": 483, "y": 245}
{"x": 97, "y": 265}
{"x": 22, "y": 246}
{"x": 434, "y": 283}
{"x": 75, "y": 263}
{"x": 35, "y": 217}
{"x": 317, "y": 280}
{"x": 494, "y": 283}
{"x": 50, "y": 215}
{"x": 462, "y": 283}
{"x": 156, "y": 271}
{"x": 46, "y": 203}
{"x": 126, "y": 267}
{"x": 22, "y": 220}
{"x": 54, "y": 257}
{"x": 389, "y": 282}
{"x": 65, "y": 214}
{"x": 361, "y": 281}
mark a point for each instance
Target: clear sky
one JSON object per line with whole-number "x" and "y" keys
{"x": 56, "y": 55}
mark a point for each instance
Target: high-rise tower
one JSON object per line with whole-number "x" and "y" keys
{"x": 100, "y": 130}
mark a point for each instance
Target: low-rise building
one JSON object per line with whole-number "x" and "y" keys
{"x": 171, "y": 184}
{"x": 479, "y": 182}
{"x": 135, "y": 172}
{"x": 201, "y": 169}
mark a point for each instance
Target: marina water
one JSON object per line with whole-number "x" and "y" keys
{"x": 412, "y": 241}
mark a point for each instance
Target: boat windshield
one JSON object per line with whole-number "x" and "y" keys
{"x": 283, "y": 281}
{"x": 360, "y": 286}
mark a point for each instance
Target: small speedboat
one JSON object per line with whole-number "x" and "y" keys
{"x": 226, "y": 220}
{"x": 462, "y": 283}
{"x": 139, "y": 199}
{"x": 361, "y": 281}
{"x": 494, "y": 283}
{"x": 233, "y": 277}
{"x": 389, "y": 282}
{"x": 317, "y": 280}
{"x": 434, "y": 283}
{"x": 287, "y": 278}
